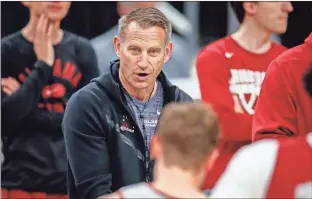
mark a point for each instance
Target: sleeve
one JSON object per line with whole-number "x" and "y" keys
{"x": 214, "y": 75}
{"x": 16, "y": 107}
{"x": 46, "y": 121}
{"x": 88, "y": 61}
{"x": 249, "y": 172}
{"x": 275, "y": 113}
{"x": 50, "y": 122}
{"x": 85, "y": 143}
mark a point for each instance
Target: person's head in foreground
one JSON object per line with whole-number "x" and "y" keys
{"x": 182, "y": 147}
{"x": 185, "y": 138}
{"x": 143, "y": 46}
{"x": 270, "y": 17}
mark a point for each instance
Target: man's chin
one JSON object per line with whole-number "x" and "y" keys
{"x": 141, "y": 85}
{"x": 280, "y": 31}
{"x": 55, "y": 18}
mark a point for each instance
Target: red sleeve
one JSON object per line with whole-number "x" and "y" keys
{"x": 214, "y": 75}
{"x": 275, "y": 114}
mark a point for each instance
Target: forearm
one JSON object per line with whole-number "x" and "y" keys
{"x": 19, "y": 105}
{"x": 48, "y": 122}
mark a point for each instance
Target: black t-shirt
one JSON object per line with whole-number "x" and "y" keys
{"x": 35, "y": 156}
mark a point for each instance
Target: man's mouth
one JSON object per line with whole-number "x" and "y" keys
{"x": 142, "y": 74}
{"x": 55, "y": 8}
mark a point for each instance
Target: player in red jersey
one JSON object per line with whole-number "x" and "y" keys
{"x": 231, "y": 70}
{"x": 271, "y": 168}
{"x": 284, "y": 97}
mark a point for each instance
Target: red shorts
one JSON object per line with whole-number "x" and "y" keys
{"x": 17, "y": 194}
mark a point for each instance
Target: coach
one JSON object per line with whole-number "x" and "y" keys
{"x": 108, "y": 124}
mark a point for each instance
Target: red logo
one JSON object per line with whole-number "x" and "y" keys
{"x": 124, "y": 125}
{"x": 57, "y": 90}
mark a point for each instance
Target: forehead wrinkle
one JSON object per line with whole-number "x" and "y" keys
{"x": 139, "y": 39}
{"x": 134, "y": 31}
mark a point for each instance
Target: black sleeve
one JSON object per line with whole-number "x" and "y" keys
{"x": 50, "y": 122}
{"x": 86, "y": 147}
{"x": 87, "y": 61}
{"x": 46, "y": 121}
{"x": 16, "y": 107}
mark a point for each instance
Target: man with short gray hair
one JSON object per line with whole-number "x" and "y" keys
{"x": 108, "y": 124}
{"x": 181, "y": 59}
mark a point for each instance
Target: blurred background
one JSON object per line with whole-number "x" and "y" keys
{"x": 196, "y": 24}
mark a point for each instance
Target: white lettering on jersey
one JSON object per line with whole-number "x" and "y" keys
{"x": 246, "y": 82}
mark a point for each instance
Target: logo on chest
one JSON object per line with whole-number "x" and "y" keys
{"x": 245, "y": 85}
{"x": 124, "y": 126}
{"x": 150, "y": 121}
{"x": 57, "y": 90}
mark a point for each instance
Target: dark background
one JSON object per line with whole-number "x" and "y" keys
{"x": 90, "y": 19}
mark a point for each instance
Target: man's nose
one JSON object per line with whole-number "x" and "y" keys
{"x": 143, "y": 63}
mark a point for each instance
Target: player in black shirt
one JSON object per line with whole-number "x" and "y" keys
{"x": 42, "y": 66}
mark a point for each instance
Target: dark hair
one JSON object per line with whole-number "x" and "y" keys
{"x": 238, "y": 10}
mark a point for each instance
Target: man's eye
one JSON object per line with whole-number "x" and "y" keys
{"x": 153, "y": 52}
{"x": 134, "y": 50}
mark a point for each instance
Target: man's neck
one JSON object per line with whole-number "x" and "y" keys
{"x": 252, "y": 37}
{"x": 143, "y": 94}
{"x": 29, "y": 31}
{"x": 176, "y": 182}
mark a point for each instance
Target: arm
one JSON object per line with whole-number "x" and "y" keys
{"x": 275, "y": 114}
{"x": 17, "y": 106}
{"x": 45, "y": 55}
{"x": 86, "y": 58}
{"x": 86, "y": 147}
{"x": 249, "y": 172}
{"x": 214, "y": 75}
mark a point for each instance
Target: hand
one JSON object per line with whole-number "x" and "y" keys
{"x": 9, "y": 85}
{"x": 237, "y": 105}
{"x": 43, "y": 42}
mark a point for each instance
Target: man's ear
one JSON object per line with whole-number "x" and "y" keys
{"x": 117, "y": 45}
{"x": 250, "y": 8}
{"x": 168, "y": 51}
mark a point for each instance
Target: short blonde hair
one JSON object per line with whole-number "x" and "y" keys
{"x": 188, "y": 133}
{"x": 146, "y": 18}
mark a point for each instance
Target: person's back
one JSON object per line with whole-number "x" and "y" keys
{"x": 236, "y": 65}
{"x": 186, "y": 133}
{"x": 141, "y": 190}
{"x": 269, "y": 169}
{"x": 284, "y": 96}
{"x": 292, "y": 177}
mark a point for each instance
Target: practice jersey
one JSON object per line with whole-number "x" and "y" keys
{"x": 269, "y": 169}
{"x": 141, "y": 190}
